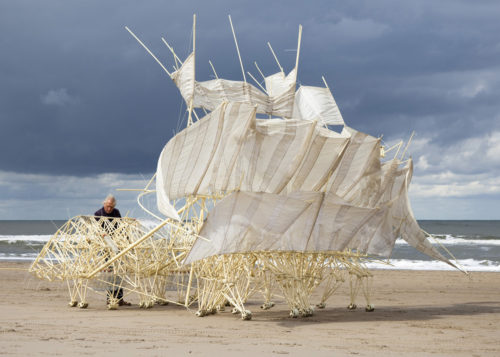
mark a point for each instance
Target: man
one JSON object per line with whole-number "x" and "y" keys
{"x": 108, "y": 210}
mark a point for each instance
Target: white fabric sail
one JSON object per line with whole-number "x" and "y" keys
{"x": 317, "y": 103}
{"x": 165, "y": 207}
{"x": 407, "y": 226}
{"x": 300, "y": 221}
{"x": 281, "y": 91}
{"x": 315, "y": 221}
{"x": 323, "y": 155}
{"x": 360, "y": 160}
{"x": 299, "y": 186}
{"x": 229, "y": 149}
{"x": 282, "y": 169}
{"x": 203, "y": 154}
{"x": 272, "y": 154}
{"x": 306, "y": 222}
{"x": 278, "y": 84}
{"x": 184, "y": 78}
{"x": 211, "y": 94}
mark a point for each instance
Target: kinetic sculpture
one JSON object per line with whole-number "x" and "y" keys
{"x": 252, "y": 204}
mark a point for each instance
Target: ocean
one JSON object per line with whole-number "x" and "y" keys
{"x": 475, "y": 244}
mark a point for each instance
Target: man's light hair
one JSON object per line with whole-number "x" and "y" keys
{"x": 111, "y": 199}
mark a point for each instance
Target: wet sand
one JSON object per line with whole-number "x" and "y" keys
{"x": 417, "y": 313}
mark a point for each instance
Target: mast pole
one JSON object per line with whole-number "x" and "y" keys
{"x": 176, "y": 58}
{"x": 237, "y": 49}
{"x": 190, "y": 118}
{"x": 407, "y": 145}
{"x": 326, "y": 84}
{"x": 213, "y": 69}
{"x": 260, "y": 85}
{"x": 148, "y": 50}
{"x": 393, "y": 147}
{"x": 275, "y": 58}
{"x": 258, "y": 69}
{"x": 399, "y": 148}
{"x": 299, "y": 41}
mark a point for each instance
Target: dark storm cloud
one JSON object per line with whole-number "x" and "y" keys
{"x": 79, "y": 96}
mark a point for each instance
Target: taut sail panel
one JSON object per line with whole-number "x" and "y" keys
{"x": 229, "y": 149}
{"x": 277, "y": 84}
{"x": 201, "y": 157}
{"x": 317, "y": 103}
{"x": 248, "y": 222}
{"x": 281, "y": 90}
{"x": 322, "y": 158}
{"x": 273, "y": 153}
{"x": 338, "y": 225}
{"x": 300, "y": 221}
{"x": 360, "y": 162}
{"x": 184, "y": 78}
{"x": 221, "y": 173}
{"x": 391, "y": 181}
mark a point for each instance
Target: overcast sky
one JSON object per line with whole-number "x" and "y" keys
{"x": 85, "y": 110}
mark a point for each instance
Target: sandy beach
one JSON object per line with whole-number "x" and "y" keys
{"x": 417, "y": 313}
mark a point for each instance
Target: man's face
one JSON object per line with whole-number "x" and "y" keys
{"x": 108, "y": 206}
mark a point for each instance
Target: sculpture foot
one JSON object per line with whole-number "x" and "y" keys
{"x": 267, "y": 305}
{"x": 246, "y": 315}
{"x": 370, "y": 308}
{"x": 294, "y": 313}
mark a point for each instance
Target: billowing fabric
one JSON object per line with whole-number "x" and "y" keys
{"x": 405, "y": 222}
{"x": 211, "y": 94}
{"x": 307, "y": 222}
{"x": 300, "y": 221}
{"x": 184, "y": 78}
{"x": 317, "y": 103}
{"x": 272, "y": 154}
{"x": 165, "y": 207}
{"x": 281, "y": 91}
{"x": 322, "y": 157}
{"x": 229, "y": 149}
{"x": 203, "y": 154}
{"x": 359, "y": 166}
{"x": 296, "y": 185}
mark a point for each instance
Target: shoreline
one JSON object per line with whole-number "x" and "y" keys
{"x": 417, "y": 313}
{"x": 371, "y": 267}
